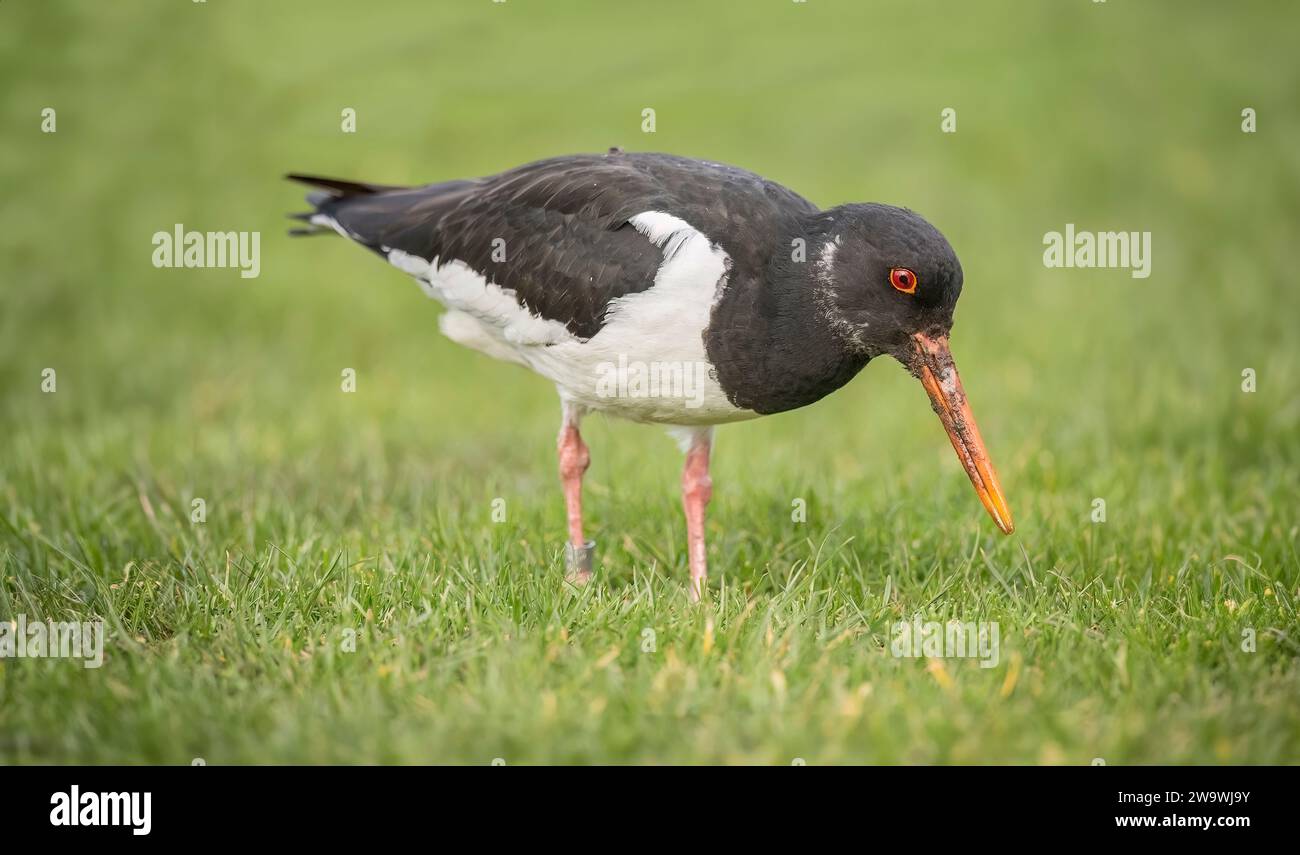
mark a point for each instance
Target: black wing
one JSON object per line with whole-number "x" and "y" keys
{"x": 557, "y": 232}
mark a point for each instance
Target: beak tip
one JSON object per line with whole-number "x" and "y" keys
{"x": 1002, "y": 514}
{"x": 933, "y": 360}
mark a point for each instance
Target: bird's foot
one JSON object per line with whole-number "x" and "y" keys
{"x": 578, "y": 561}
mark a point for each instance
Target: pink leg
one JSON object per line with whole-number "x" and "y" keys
{"x": 697, "y": 489}
{"x": 574, "y": 460}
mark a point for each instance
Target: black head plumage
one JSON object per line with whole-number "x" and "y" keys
{"x": 882, "y": 275}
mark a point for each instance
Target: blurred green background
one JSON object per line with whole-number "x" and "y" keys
{"x": 330, "y": 512}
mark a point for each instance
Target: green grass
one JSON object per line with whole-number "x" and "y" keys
{"x": 372, "y": 511}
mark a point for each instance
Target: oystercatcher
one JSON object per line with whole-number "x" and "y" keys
{"x": 675, "y": 291}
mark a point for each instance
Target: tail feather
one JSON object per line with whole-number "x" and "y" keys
{"x": 331, "y": 190}
{"x": 338, "y": 186}
{"x": 378, "y": 215}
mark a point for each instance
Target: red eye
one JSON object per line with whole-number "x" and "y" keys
{"x": 902, "y": 279}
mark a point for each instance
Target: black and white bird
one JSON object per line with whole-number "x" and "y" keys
{"x": 675, "y": 291}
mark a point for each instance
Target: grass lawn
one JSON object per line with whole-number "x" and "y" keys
{"x": 351, "y": 597}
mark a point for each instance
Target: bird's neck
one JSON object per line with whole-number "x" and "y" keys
{"x": 771, "y": 339}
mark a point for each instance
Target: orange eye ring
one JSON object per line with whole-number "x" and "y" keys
{"x": 903, "y": 279}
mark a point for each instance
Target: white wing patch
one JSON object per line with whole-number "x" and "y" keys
{"x": 458, "y": 286}
{"x": 663, "y": 325}
{"x": 671, "y": 316}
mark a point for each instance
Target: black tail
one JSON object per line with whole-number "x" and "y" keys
{"x": 332, "y": 190}
{"x": 378, "y": 216}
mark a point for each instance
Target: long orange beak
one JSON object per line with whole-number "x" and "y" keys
{"x": 939, "y": 376}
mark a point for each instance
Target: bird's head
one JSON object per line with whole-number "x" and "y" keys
{"x": 887, "y": 282}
